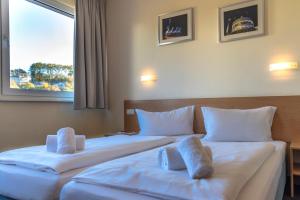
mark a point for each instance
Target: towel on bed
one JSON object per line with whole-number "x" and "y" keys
{"x": 80, "y": 142}
{"x": 51, "y": 143}
{"x": 196, "y": 159}
{"x": 66, "y": 141}
{"x": 169, "y": 158}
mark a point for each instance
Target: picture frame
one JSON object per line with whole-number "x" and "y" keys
{"x": 242, "y": 20}
{"x": 175, "y": 27}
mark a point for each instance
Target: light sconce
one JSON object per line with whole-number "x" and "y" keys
{"x": 148, "y": 78}
{"x": 283, "y": 66}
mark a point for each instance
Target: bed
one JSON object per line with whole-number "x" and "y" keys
{"x": 20, "y": 181}
{"x": 268, "y": 181}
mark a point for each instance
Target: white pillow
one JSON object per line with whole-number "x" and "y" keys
{"x": 175, "y": 122}
{"x": 234, "y": 125}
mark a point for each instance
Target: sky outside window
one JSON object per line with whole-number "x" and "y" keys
{"x": 39, "y": 35}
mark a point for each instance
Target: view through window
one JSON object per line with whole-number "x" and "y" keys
{"x": 41, "y": 48}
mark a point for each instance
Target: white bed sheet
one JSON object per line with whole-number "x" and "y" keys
{"x": 96, "y": 151}
{"x": 262, "y": 186}
{"x": 24, "y": 183}
{"x": 266, "y": 180}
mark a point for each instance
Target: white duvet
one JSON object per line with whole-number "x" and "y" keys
{"x": 234, "y": 164}
{"x": 97, "y": 151}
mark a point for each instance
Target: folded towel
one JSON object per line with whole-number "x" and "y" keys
{"x": 80, "y": 142}
{"x": 66, "y": 142}
{"x": 51, "y": 143}
{"x": 169, "y": 158}
{"x": 209, "y": 152}
{"x": 196, "y": 159}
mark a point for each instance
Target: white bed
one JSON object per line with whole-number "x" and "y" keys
{"x": 266, "y": 184}
{"x": 20, "y": 182}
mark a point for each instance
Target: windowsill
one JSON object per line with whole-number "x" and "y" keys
{"x": 35, "y": 99}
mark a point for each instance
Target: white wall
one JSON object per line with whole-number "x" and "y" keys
{"x": 203, "y": 67}
{"x": 28, "y": 123}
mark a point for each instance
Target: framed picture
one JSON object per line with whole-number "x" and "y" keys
{"x": 175, "y": 27}
{"x": 241, "y": 20}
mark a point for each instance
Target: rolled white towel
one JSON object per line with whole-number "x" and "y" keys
{"x": 169, "y": 158}
{"x": 80, "y": 142}
{"x": 209, "y": 152}
{"x": 66, "y": 142}
{"x": 196, "y": 159}
{"x": 51, "y": 143}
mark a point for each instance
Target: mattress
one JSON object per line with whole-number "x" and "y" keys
{"x": 264, "y": 185}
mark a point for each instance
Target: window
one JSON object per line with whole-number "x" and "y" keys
{"x": 37, "y": 49}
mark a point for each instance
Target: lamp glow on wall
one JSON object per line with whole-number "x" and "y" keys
{"x": 283, "y": 66}
{"x": 148, "y": 78}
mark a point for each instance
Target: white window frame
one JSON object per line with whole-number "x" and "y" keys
{"x": 7, "y": 93}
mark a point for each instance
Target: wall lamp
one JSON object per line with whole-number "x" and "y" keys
{"x": 148, "y": 78}
{"x": 283, "y": 66}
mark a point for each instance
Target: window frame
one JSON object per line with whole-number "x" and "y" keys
{"x": 9, "y": 94}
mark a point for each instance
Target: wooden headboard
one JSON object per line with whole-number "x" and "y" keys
{"x": 286, "y": 125}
